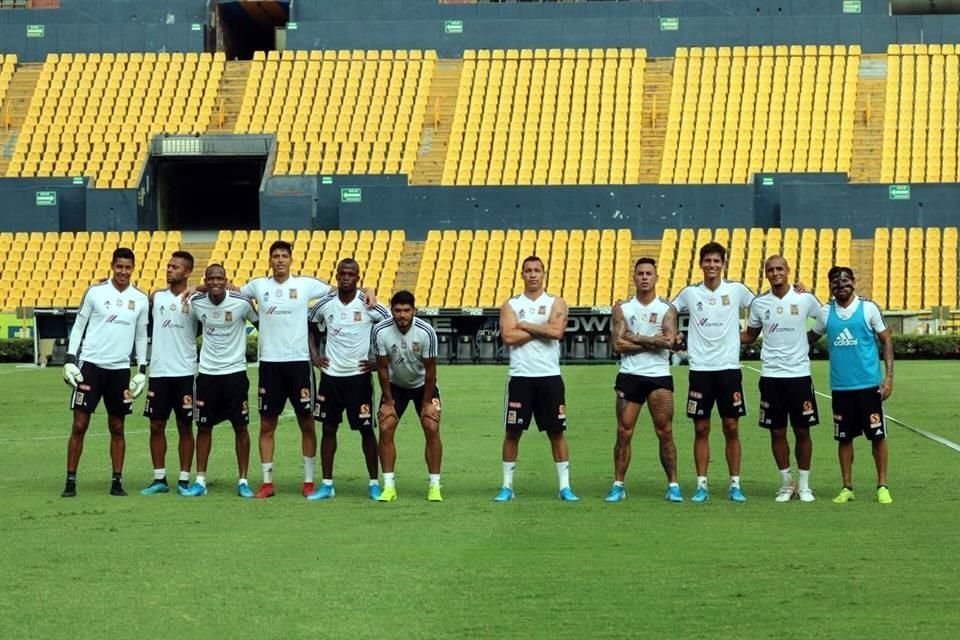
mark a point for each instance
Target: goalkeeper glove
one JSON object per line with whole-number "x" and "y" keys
{"x": 137, "y": 383}
{"x": 72, "y": 375}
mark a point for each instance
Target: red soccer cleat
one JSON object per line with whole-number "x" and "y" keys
{"x": 308, "y": 489}
{"x": 265, "y": 491}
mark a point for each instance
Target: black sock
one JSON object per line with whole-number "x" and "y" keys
{"x": 117, "y": 477}
{"x": 183, "y": 483}
{"x": 72, "y": 476}
{"x": 160, "y": 480}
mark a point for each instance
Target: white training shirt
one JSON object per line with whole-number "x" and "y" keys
{"x": 349, "y": 329}
{"x": 407, "y": 351}
{"x": 174, "y": 347}
{"x": 871, "y": 313}
{"x": 109, "y": 325}
{"x": 224, "y": 347}
{"x": 540, "y": 357}
{"x": 785, "y": 352}
{"x": 713, "y": 342}
{"x": 283, "y": 309}
{"x": 645, "y": 320}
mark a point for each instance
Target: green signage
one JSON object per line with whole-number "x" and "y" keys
{"x": 326, "y": 180}
{"x": 852, "y": 6}
{"x": 196, "y": 26}
{"x": 292, "y": 26}
{"x": 351, "y": 194}
{"x": 669, "y": 24}
{"x": 35, "y": 30}
{"x": 767, "y": 181}
{"x": 899, "y": 192}
{"x": 77, "y": 179}
{"x": 453, "y": 26}
{"x": 46, "y": 198}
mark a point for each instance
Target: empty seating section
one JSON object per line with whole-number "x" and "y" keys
{"x": 339, "y": 112}
{"x": 8, "y": 64}
{"x": 541, "y": 116}
{"x": 482, "y": 268}
{"x": 245, "y": 254}
{"x": 738, "y": 111}
{"x": 54, "y": 269}
{"x": 94, "y": 114}
{"x": 920, "y": 118}
{"x": 915, "y": 268}
{"x": 808, "y": 254}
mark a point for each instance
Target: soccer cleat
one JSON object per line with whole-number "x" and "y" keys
{"x": 806, "y": 495}
{"x": 265, "y": 491}
{"x": 116, "y": 489}
{"x": 389, "y": 494}
{"x": 183, "y": 488}
{"x": 69, "y": 490}
{"x": 244, "y": 491}
{"x": 784, "y": 494}
{"x": 674, "y": 495}
{"x": 735, "y": 495}
{"x": 883, "y": 495}
{"x": 433, "y": 493}
{"x": 505, "y": 495}
{"x": 701, "y": 496}
{"x": 325, "y": 492}
{"x": 617, "y": 494}
{"x": 374, "y": 491}
{"x": 157, "y": 486}
{"x": 845, "y": 496}
{"x": 196, "y": 491}
{"x": 308, "y": 489}
{"x": 567, "y": 495}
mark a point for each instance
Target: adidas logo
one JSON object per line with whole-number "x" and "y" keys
{"x": 845, "y": 339}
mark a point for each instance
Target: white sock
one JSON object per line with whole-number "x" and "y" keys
{"x": 328, "y": 482}
{"x": 508, "y": 469}
{"x": 785, "y": 478}
{"x": 374, "y": 482}
{"x": 804, "y": 484}
{"x": 159, "y": 474}
{"x": 388, "y": 480}
{"x": 734, "y": 482}
{"x": 309, "y": 465}
{"x": 241, "y": 481}
{"x": 563, "y": 474}
{"x": 618, "y": 483}
{"x": 267, "y": 472}
{"x": 701, "y": 482}
{"x": 184, "y": 476}
{"x": 202, "y": 479}
{"x": 674, "y": 484}
{"x": 434, "y": 479}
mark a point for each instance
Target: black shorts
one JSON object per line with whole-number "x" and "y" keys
{"x": 542, "y": 399}
{"x": 403, "y": 397}
{"x": 351, "y": 393}
{"x": 634, "y": 388}
{"x": 169, "y": 394}
{"x": 781, "y": 398}
{"x": 858, "y": 412}
{"x": 220, "y": 398}
{"x": 282, "y": 381}
{"x": 725, "y": 388}
{"x": 113, "y": 385}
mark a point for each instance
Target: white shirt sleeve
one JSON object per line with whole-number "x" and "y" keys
{"x": 315, "y": 315}
{"x": 820, "y": 327}
{"x": 250, "y": 290}
{"x": 432, "y": 350}
{"x": 317, "y": 288}
{"x": 140, "y": 341}
{"x": 252, "y": 314}
{"x": 753, "y": 317}
{"x": 379, "y": 343}
{"x": 874, "y": 318}
{"x": 746, "y": 296}
{"x": 680, "y": 303}
{"x": 378, "y": 313}
{"x": 813, "y": 306}
{"x": 80, "y": 324}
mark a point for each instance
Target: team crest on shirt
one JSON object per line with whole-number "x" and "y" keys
{"x": 357, "y": 316}
{"x": 228, "y": 316}
{"x": 415, "y": 347}
{"x": 185, "y": 308}
{"x": 794, "y": 310}
{"x": 542, "y": 310}
{"x": 653, "y": 318}
{"x": 292, "y": 294}
{"x": 725, "y": 301}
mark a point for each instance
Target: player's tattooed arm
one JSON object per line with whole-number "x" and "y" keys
{"x": 621, "y": 338}
{"x": 511, "y": 334}
{"x": 556, "y": 326}
{"x": 886, "y": 385}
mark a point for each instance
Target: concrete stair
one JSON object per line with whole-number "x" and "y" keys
{"x": 230, "y": 96}
{"x": 201, "y": 252}
{"x": 657, "y": 85}
{"x": 13, "y": 111}
{"x": 436, "y": 128}
{"x": 861, "y": 259}
{"x": 409, "y": 268}
{"x": 867, "y": 159}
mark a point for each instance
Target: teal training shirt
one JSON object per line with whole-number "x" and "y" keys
{"x": 854, "y": 360}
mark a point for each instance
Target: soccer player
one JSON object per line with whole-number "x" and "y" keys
{"x": 406, "y": 349}
{"x": 111, "y": 323}
{"x": 173, "y": 366}
{"x": 714, "y": 348}
{"x": 644, "y": 330}
{"x": 222, "y": 384}
{"x": 854, "y": 326}
{"x": 786, "y": 388}
{"x": 345, "y": 381}
{"x": 532, "y": 324}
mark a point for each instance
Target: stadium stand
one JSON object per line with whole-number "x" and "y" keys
{"x": 914, "y": 268}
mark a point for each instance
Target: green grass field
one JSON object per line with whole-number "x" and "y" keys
{"x": 219, "y": 567}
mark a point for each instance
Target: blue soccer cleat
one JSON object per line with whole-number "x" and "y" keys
{"x": 183, "y": 489}
{"x": 195, "y": 491}
{"x": 673, "y": 494}
{"x": 567, "y": 495}
{"x": 244, "y": 490}
{"x": 374, "y": 491}
{"x": 736, "y": 495}
{"x": 505, "y": 495}
{"x": 325, "y": 492}
{"x": 701, "y": 496}
{"x": 617, "y": 494}
{"x": 157, "y": 486}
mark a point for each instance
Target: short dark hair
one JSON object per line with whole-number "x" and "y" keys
{"x": 532, "y": 259}
{"x": 215, "y": 265}
{"x": 122, "y": 252}
{"x": 645, "y": 260}
{"x": 348, "y": 262}
{"x": 403, "y": 297}
{"x": 186, "y": 256}
{"x": 281, "y": 244}
{"x": 713, "y": 247}
{"x": 835, "y": 272}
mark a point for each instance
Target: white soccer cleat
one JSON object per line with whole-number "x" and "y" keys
{"x": 806, "y": 495}
{"x": 785, "y": 494}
